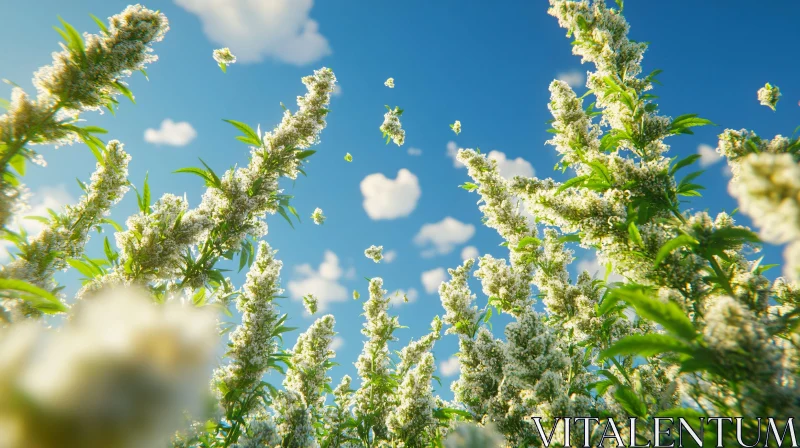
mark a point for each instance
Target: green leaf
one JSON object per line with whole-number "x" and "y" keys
{"x": 217, "y": 182}
{"x": 686, "y": 161}
{"x": 634, "y": 234}
{"x": 629, "y": 401}
{"x": 305, "y": 154}
{"x": 682, "y": 124}
{"x": 253, "y": 137}
{"x": 146, "y": 194}
{"x": 112, "y": 223}
{"x": 123, "y": 89}
{"x": 646, "y": 345}
{"x": 667, "y": 314}
{"x": 469, "y": 186}
{"x": 199, "y": 172}
{"x": 99, "y": 23}
{"x": 18, "y": 163}
{"x": 571, "y": 183}
{"x": 671, "y": 245}
{"x": 48, "y": 303}
{"x": 84, "y": 268}
{"x": 223, "y": 67}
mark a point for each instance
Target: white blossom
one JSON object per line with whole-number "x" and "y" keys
{"x": 374, "y": 253}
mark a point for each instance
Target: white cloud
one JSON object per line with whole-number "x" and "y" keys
{"x": 432, "y": 279}
{"x": 452, "y": 151}
{"x": 53, "y": 198}
{"x": 398, "y": 297}
{"x": 469, "y": 252}
{"x": 323, "y": 282}
{"x": 386, "y": 198}
{"x": 708, "y": 155}
{"x": 450, "y": 367}
{"x": 337, "y": 90}
{"x": 444, "y": 235}
{"x": 171, "y": 133}
{"x": 592, "y": 265}
{"x": 509, "y": 168}
{"x": 389, "y": 256}
{"x": 337, "y": 342}
{"x": 351, "y": 273}
{"x": 575, "y": 78}
{"x": 255, "y": 29}
{"x": 414, "y": 151}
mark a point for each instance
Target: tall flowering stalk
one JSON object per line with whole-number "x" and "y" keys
{"x": 84, "y": 76}
{"x": 156, "y": 247}
{"x": 299, "y": 406}
{"x": 67, "y": 234}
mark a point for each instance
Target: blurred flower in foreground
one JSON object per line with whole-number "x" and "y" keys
{"x": 224, "y": 58}
{"x": 121, "y": 373}
{"x": 468, "y": 435}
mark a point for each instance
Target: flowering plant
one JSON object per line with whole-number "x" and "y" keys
{"x": 695, "y": 328}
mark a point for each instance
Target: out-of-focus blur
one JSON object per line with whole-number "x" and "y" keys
{"x": 121, "y": 372}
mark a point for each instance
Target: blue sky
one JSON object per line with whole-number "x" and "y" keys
{"x": 488, "y": 66}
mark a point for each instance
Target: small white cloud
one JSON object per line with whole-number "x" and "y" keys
{"x": 414, "y": 151}
{"x": 593, "y": 267}
{"x": 337, "y": 342}
{"x": 509, "y": 168}
{"x": 575, "y": 78}
{"x": 171, "y": 133}
{"x": 469, "y": 252}
{"x": 323, "y": 282}
{"x": 450, "y": 367}
{"x": 386, "y": 198}
{"x": 432, "y": 279}
{"x": 350, "y": 274}
{"x": 389, "y": 256}
{"x": 452, "y": 151}
{"x": 399, "y": 297}
{"x": 337, "y": 90}
{"x": 708, "y": 155}
{"x": 444, "y": 235}
{"x": 53, "y": 198}
{"x": 253, "y": 30}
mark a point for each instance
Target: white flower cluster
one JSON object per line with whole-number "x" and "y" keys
{"x": 224, "y": 56}
{"x": 67, "y": 235}
{"x": 374, "y": 253}
{"x": 253, "y": 341}
{"x": 304, "y": 383}
{"x": 123, "y": 49}
{"x": 392, "y": 128}
{"x": 310, "y": 303}
{"x": 317, "y": 216}
{"x": 123, "y": 370}
{"x": 769, "y": 95}
{"x": 389, "y": 83}
{"x": 153, "y": 246}
{"x": 412, "y": 419}
{"x": 372, "y": 400}
{"x": 84, "y": 76}
{"x": 456, "y": 127}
